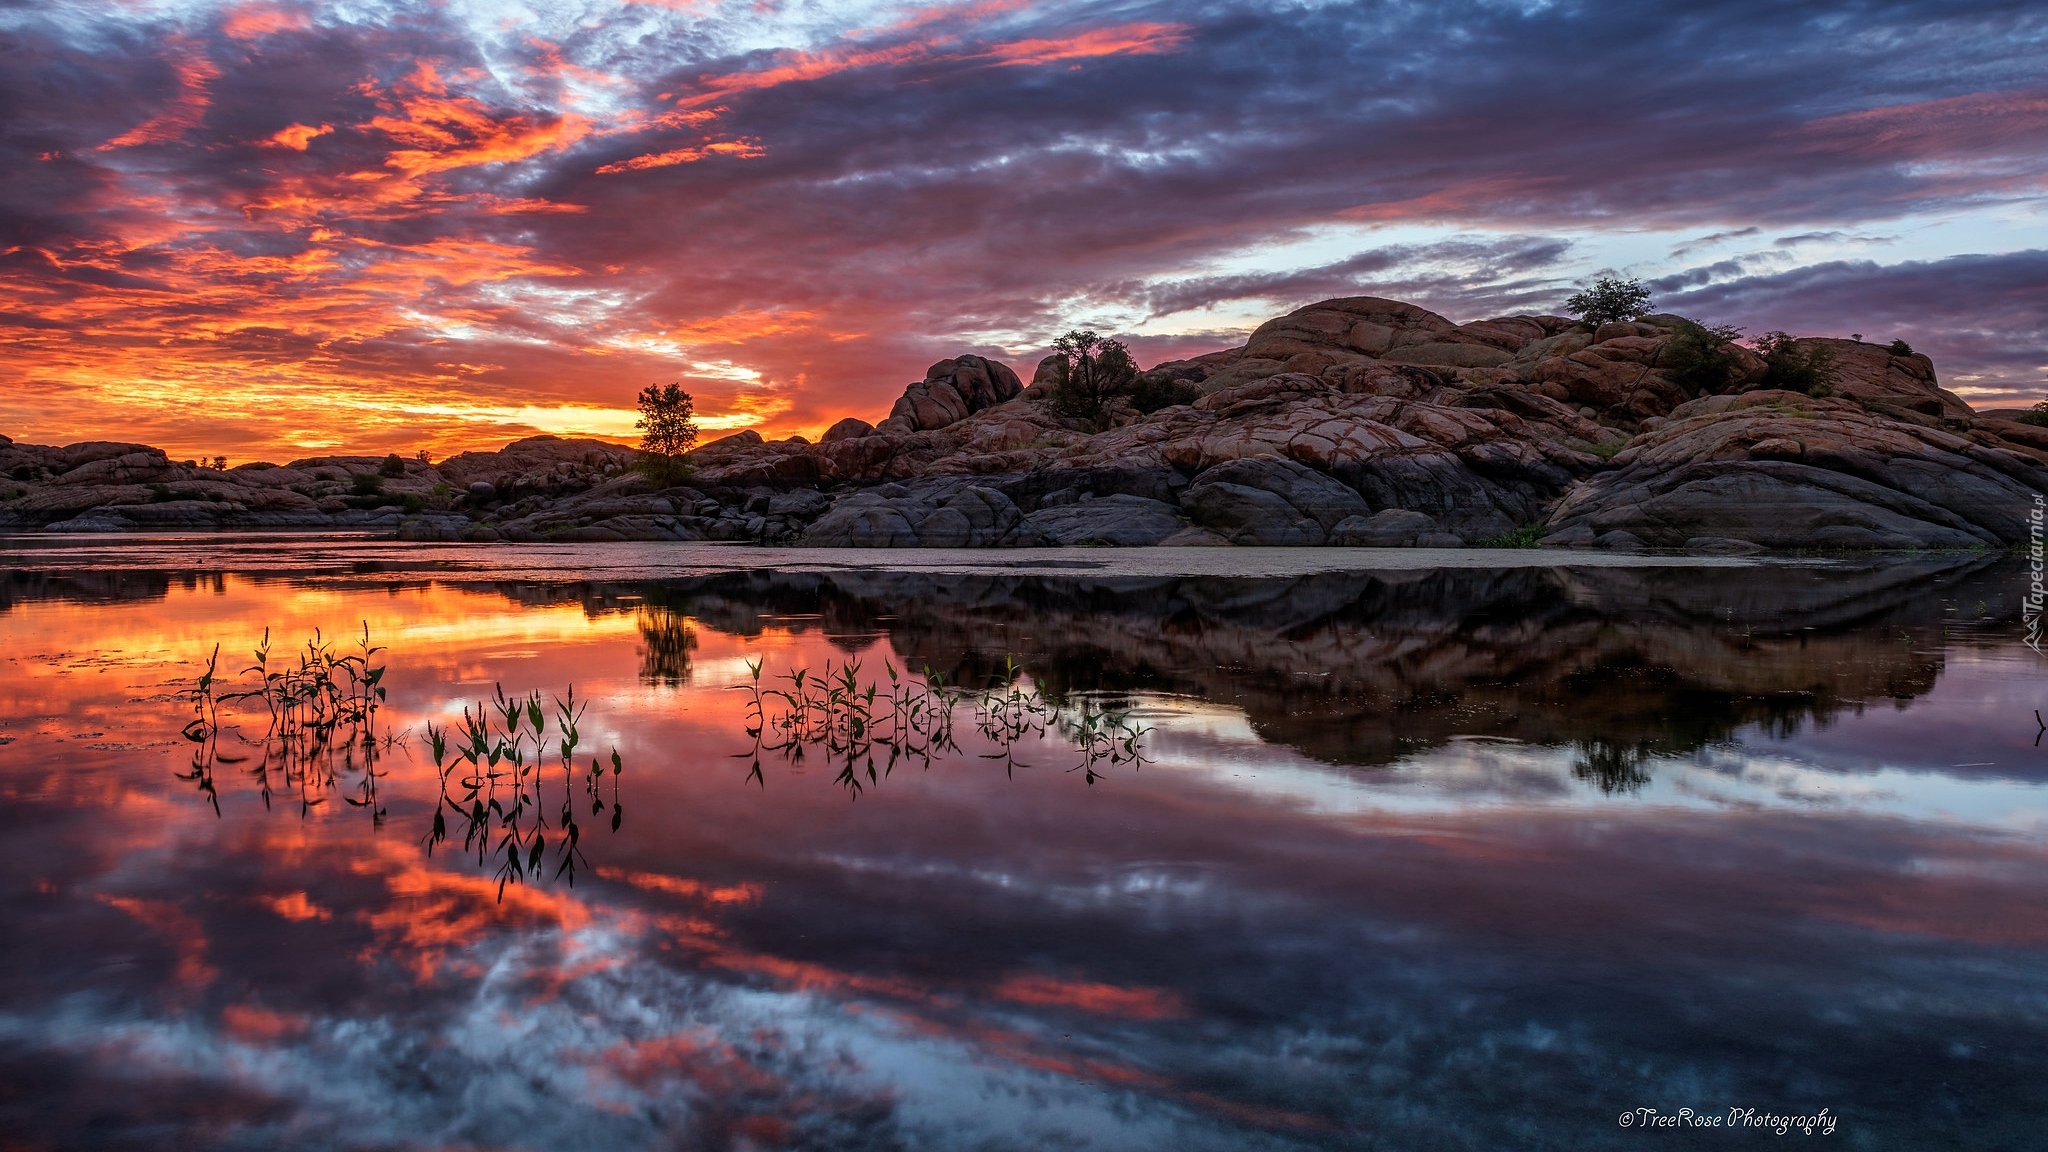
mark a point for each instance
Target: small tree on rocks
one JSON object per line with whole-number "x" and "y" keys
{"x": 1090, "y": 372}
{"x": 1701, "y": 358}
{"x": 668, "y": 431}
{"x": 1807, "y": 367}
{"x": 1609, "y": 299}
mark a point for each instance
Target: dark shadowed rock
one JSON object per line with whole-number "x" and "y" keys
{"x": 851, "y": 428}
{"x": 1387, "y": 528}
{"x": 1266, "y": 500}
{"x": 1121, "y": 519}
{"x": 942, "y": 513}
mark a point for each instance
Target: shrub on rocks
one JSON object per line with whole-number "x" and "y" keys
{"x": 1701, "y": 359}
{"x": 1794, "y": 365}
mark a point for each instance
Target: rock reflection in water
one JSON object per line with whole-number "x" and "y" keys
{"x": 1365, "y": 668}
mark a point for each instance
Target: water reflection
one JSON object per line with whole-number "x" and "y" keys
{"x": 1455, "y": 859}
{"x": 850, "y": 719}
{"x": 667, "y": 637}
{"x": 1366, "y": 668}
{"x": 496, "y": 785}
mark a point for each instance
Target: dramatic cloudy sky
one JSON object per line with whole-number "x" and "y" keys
{"x": 275, "y": 228}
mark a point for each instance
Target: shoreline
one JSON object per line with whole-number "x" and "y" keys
{"x": 300, "y": 551}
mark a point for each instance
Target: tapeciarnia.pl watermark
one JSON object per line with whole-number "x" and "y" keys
{"x": 2030, "y": 610}
{"x": 1821, "y": 1123}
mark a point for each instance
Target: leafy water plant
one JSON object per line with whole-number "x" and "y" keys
{"x": 867, "y": 728}
{"x": 321, "y": 706}
{"x": 494, "y": 784}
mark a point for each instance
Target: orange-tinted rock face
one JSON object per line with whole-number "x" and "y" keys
{"x": 951, "y": 391}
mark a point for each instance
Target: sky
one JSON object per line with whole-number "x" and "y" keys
{"x": 277, "y": 230}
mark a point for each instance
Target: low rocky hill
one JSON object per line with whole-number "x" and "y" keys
{"x": 1356, "y": 422}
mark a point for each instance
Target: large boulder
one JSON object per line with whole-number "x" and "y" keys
{"x": 951, "y": 391}
{"x": 1785, "y": 470}
{"x": 943, "y": 513}
{"x": 1122, "y": 519}
{"x": 851, "y": 428}
{"x": 1481, "y": 461}
{"x": 544, "y": 465}
{"x": 1888, "y": 384}
{"x": 1268, "y": 500}
{"x": 1387, "y": 528}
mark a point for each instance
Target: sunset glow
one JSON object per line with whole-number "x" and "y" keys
{"x": 276, "y": 230}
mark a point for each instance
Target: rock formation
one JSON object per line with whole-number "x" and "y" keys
{"x": 1354, "y": 422}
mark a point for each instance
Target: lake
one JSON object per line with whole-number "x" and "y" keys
{"x": 1152, "y": 849}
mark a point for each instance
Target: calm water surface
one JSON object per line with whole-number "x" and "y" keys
{"x": 1456, "y": 857}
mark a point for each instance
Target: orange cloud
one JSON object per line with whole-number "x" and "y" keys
{"x": 433, "y": 912}
{"x": 297, "y": 136}
{"x": 1101, "y": 999}
{"x": 253, "y": 1025}
{"x": 249, "y": 21}
{"x": 740, "y": 149}
{"x": 448, "y": 132}
{"x": 178, "y": 929}
{"x": 186, "y": 110}
{"x": 296, "y": 906}
{"x": 682, "y": 886}
{"x": 1122, "y": 40}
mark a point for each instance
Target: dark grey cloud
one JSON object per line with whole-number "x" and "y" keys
{"x": 1984, "y": 318}
{"x": 1494, "y": 263}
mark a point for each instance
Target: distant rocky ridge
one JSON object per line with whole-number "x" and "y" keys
{"x": 1353, "y": 422}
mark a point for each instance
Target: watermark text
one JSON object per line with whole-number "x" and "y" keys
{"x": 1821, "y": 1123}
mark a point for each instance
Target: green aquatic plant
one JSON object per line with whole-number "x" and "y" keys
{"x": 320, "y": 708}
{"x": 867, "y": 727}
{"x": 495, "y": 785}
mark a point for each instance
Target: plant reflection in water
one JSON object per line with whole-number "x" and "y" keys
{"x": 492, "y": 786}
{"x": 322, "y": 730}
{"x": 322, "y": 717}
{"x": 852, "y": 721}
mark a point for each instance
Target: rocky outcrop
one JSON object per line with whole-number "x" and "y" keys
{"x": 1783, "y": 470}
{"x": 951, "y": 391}
{"x": 946, "y": 513}
{"x": 1358, "y": 422}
